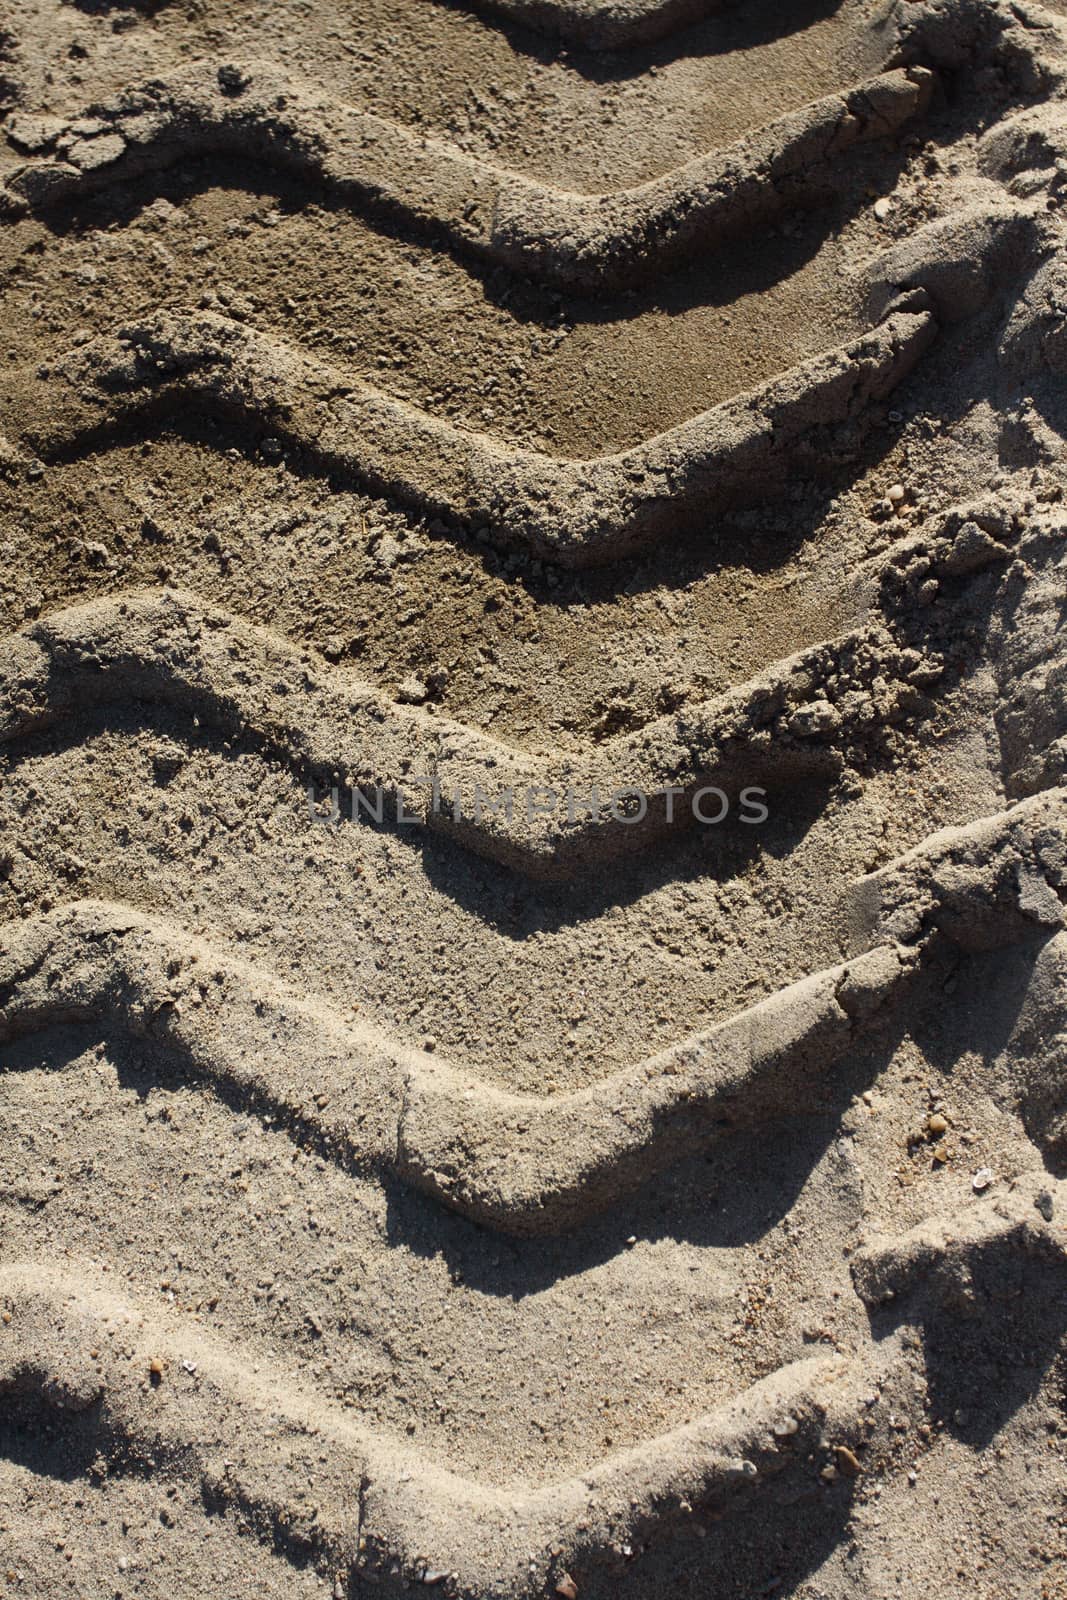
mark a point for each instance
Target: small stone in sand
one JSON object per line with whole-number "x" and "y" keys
{"x": 412, "y": 692}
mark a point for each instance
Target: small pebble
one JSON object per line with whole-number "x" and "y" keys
{"x": 982, "y": 1179}
{"x": 1043, "y": 1202}
{"x": 232, "y": 80}
{"x": 847, "y": 1461}
{"x": 566, "y": 1588}
{"x": 412, "y": 692}
{"x": 936, "y": 1125}
{"x": 882, "y": 208}
{"x": 156, "y": 1369}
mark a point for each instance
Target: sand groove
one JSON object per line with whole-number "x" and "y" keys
{"x": 254, "y": 1445}
{"x": 516, "y": 1162}
{"x": 575, "y": 513}
{"x": 548, "y": 816}
{"x": 379, "y": 1503}
{"x": 501, "y": 1159}
{"x": 587, "y": 242}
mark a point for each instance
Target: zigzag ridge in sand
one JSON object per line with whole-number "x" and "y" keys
{"x": 167, "y": 647}
{"x": 588, "y": 242}
{"x": 516, "y": 1162}
{"x": 308, "y": 1479}
{"x": 574, "y": 513}
{"x": 251, "y": 1443}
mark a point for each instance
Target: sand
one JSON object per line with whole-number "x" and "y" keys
{"x": 421, "y": 401}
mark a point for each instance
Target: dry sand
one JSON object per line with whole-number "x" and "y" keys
{"x": 542, "y": 393}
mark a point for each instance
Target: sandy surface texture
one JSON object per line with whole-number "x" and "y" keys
{"x": 533, "y": 799}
